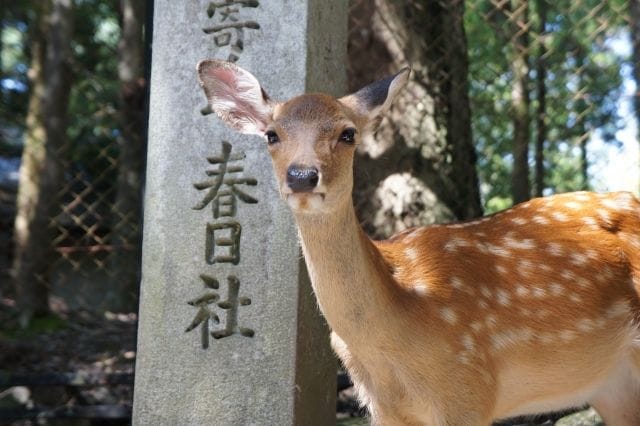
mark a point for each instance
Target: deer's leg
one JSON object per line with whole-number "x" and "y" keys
{"x": 618, "y": 402}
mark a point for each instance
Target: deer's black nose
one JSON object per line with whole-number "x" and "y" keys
{"x": 302, "y": 179}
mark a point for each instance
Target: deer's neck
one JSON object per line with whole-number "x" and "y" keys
{"x": 348, "y": 274}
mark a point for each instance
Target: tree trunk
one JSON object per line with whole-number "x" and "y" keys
{"x": 420, "y": 167}
{"x": 127, "y": 209}
{"x": 520, "y": 101}
{"x": 541, "y": 75}
{"x": 40, "y": 171}
{"x": 634, "y": 15}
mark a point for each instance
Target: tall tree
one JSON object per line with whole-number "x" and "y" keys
{"x": 520, "y": 100}
{"x": 420, "y": 167}
{"x": 578, "y": 101}
{"x": 541, "y": 97}
{"x": 127, "y": 207}
{"x": 40, "y": 171}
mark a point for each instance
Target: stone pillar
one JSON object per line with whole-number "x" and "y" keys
{"x": 229, "y": 331}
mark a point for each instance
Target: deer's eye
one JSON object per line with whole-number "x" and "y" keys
{"x": 348, "y": 135}
{"x": 272, "y": 137}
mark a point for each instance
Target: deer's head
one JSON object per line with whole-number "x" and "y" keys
{"x": 311, "y": 138}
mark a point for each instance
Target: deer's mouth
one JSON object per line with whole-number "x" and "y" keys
{"x": 305, "y": 201}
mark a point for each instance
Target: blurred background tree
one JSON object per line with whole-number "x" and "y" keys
{"x": 505, "y": 102}
{"x": 508, "y": 99}
{"x": 73, "y": 87}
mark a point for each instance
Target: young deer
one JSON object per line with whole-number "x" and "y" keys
{"x": 530, "y": 310}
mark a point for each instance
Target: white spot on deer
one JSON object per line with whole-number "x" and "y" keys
{"x": 476, "y": 326}
{"x": 574, "y": 205}
{"x": 567, "y": 335}
{"x": 454, "y": 243}
{"x": 583, "y": 282}
{"x": 556, "y": 289}
{"x": 540, "y": 220}
{"x": 522, "y": 291}
{"x": 456, "y": 283}
{"x": 464, "y": 358}
{"x": 568, "y": 275}
{"x": 622, "y": 201}
{"x": 491, "y": 321}
{"x": 560, "y": 216}
{"x": 578, "y": 259}
{"x": 412, "y": 254}
{"x": 591, "y": 254}
{"x": 480, "y": 234}
{"x": 486, "y": 292}
{"x": 421, "y": 289}
{"x": 503, "y": 298}
{"x": 524, "y": 267}
{"x": 497, "y": 250}
{"x": 449, "y": 315}
{"x": 483, "y": 304}
{"x": 545, "y": 268}
{"x": 539, "y": 292}
{"x": 575, "y": 298}
{"x": 555, "y": 249}
{"x": 501, "y": 269}
{"x": 604, "y": 215}
{"x": 589, "y": 221}
{"x": 511, "y": 337}
{"x": 585, "y": 325}
{"x": 482, "y": 248}
{"x": 468, "y": 342}
{"x": 399, "y": 271}
{"x": 519, "y": 221}
{"x": 526, "y": 244}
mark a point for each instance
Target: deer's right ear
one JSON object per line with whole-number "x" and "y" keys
{"x": 235, "y": 95}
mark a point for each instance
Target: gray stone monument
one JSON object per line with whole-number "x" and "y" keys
{"x": 229, "y": 331}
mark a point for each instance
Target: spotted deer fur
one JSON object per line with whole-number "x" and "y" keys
{"x": 529, "y": 310}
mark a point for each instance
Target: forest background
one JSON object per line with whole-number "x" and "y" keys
{"x": 509, "y": 99}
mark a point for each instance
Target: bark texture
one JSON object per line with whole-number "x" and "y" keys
{"x": 420, "y": 167}
{"x": 541, "y": 89}
{"x": 127, "y": 209}
{"x": 40, "y": 171}
{"x": 520, "y": 188}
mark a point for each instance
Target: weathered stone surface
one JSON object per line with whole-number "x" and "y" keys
{"x": 276, "y": 368}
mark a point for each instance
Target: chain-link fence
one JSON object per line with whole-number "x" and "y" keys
{"x": 550, "y": 86}
{"x": 92, "y": 236}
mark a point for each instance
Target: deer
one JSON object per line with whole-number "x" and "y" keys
{"x": 530, "y": 310}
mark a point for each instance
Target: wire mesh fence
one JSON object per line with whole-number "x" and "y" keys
{"x": 550, "y": 86}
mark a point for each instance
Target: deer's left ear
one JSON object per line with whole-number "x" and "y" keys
{"x": 235, "y": 96}
{"x": 373, "y": 100}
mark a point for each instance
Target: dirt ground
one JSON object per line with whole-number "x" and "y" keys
{"x": 94, "y": 345}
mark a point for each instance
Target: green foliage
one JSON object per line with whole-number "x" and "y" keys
{"x": 583, "y": 84}
{"x": 93, "y": 121}
{"x": 14, "y": 57}
{"x": 94, "y": 98}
